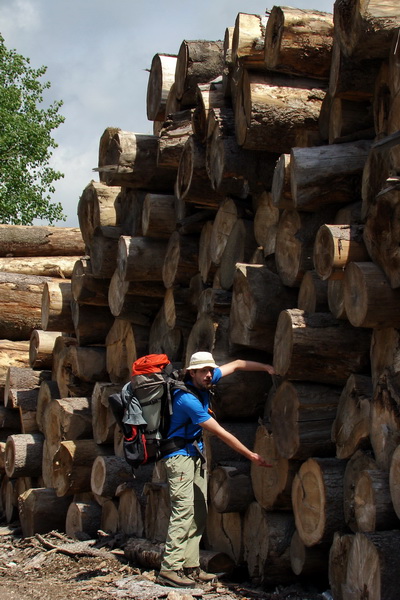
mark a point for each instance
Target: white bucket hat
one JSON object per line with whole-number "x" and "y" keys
{"x": 199, "y": 360}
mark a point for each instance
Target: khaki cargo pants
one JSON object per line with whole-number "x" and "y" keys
{"x": 188, "y": 494}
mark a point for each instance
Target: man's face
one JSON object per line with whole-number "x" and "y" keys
{"x": 201, "y": 378}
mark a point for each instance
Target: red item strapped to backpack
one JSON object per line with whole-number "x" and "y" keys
{"x": 151, "y": 363}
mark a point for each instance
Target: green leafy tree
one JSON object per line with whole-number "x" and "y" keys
{"x": 26, "y": 179}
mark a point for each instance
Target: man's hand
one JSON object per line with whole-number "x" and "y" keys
{"x": 259, "y": 460}
{"x": 270, "y": 369}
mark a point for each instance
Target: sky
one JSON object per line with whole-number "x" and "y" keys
{"x": 97, "y": 54}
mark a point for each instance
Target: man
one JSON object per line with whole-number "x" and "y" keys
{"x": 186, "y": 477}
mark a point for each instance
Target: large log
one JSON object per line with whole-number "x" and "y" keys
{"x": 219, "y": 453}
{"x": 85, "y": 288}
{"x": 325, "y": 175}
{"x": 377, "y": 170}
{"x": 206, "y": 267}
{"x": 72, "y": 465}
{"x": 131, "y": 508}
{"x": 79, "y": 368}
{"x": 41, "y": 510}
{"x": 91, "y": 323}
{"x": 309, "y": 562}
{"x": 21, "y": 298}
{"x": 31, "y": 240}
{"x": 67, "y": 419}
{"x": 135, "y": 301}
{"x": 281, "y": 188}
{"x": 294, "y": 244}
{"x": 55, "y": 306}
{"x": 306, "y": 348}
{"x": 381, "y": 237}
{"x": 161, "y": 78}
{"x": 140, "y": 258}
{"x": 224, "y": 534}
{"x": 266, "y": 221}
{"x": 23, "y": 455}
{"x": 385, "y": 347}
{"x": 350, "y": 430}
{"x": 131, "y": 208}
{"x": 373, "y": 504}
{"x": 275, "y": 113}
{"x": 313, "y": 293}
{"x": 103, "y": 251}
{"x": 23, "y": 378}
{"x": 83, "y": 518}
{"x": 174, "y": 133}
{"x": 299, "y": 42}
{"x": 258, "y": 297}
{"x": 366, "y": 29}
{"x": 357, "y": 463}
{"x": 230, "y": 487}
{"x": 240, "y": 247}
{"x": 385, "y": 419}
{"x": 350, "y": 120}
{"x": 317, "y": 497}
{"x": 198, "y": 61}
{"x": 41, "y": 345}
{"x": 180, "y": 260}
{"x": 335, "y": 246}
{"x": 273, "y": 486}
{"x": 158, "y": 217}
{"x": 226, "y": 216}
{"x": 248, "y": 41}
{"x": 48, "y": 266}
{"x": 209, "y": 96}
{"x": 130, "y": 159}
{"x": 336, "y": 298}
{"x": 301, "y": 419}
{"x": 47, "y": 391}
{"x": 338, "y": 558}
{"x": 103, "y": 420}
{"x": 12, "y": 354}
{"x": 97, "y": 206}
{"x": 108, "y": 472}
{"x": 372, "y": 566}
{"x": 369, "y": 299}
{"x": 158, "y": 510}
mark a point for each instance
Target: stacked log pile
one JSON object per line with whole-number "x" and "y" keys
{"x": 259, "y": 220}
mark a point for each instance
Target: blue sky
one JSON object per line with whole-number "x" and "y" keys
{"x": 97, "y": 53}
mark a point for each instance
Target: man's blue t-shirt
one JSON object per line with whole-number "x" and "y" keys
{"x": 187, "y": 412}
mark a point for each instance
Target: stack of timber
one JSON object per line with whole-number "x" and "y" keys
{"x": 259, "y": 221}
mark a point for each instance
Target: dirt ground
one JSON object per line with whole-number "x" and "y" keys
{"x": 55, "y": 567}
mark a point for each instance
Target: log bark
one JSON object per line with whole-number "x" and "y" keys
{"x": 47, "y": 266}
{"x": 335, "y": 246}
{"x": 218, "y": 453}
{"x": 230, "y": 488}
{"x": 176, "y": 130}
{"x": 23, "y": 455}
{"x": 385, "y": 420}
{"x": 338, "y": 558}
{"x": 22, "y": 240}
{"x": 366, "y": 29}
{"x": 266, "y": 221}
{"x": 214, "y": 301}
{"x": 299, "y": 42}
{"x": 206, "y": 267}
{"x": 208, "y": 96}
{"x": 239, "y": 248}
{"x": 326, "y": 175}
{"x": 313, "y": 294}
{"x": 225, "y": 218}
{"x": 248, "y": 41}
{"x": 130, "y": 160}
{"x": 97, "y": 207}
{"x": 20, "y": 297}
{"x": 12, "y": 354}
{"x": 135, "y": 301}
{"x": 47, "y": 391}
{"x": 177, "y": 311}
{"x": 131, "y": 209}
{"x": 72, "y": 465}
{"x": 272, "y": 111}
{"x": 301, "y": 419}
{"x": 180, "y": 260}
{"x": 350, "y": 430}
{"x": 306, "y": 348}
{"x": 23, "y": 378}
{"x": 103, "y": 420}
{"x": 41, "y": 345}
{"x": 373, "y": 504}
{"x": 385, "y": 347}
{"x": 41, "y": 511}
{"x": 103, "y": 251}
{"x": 258, "y": 298}
{"x": 131, "y": 509}
{"x": 371, "y": 568}
{"x": 273, "y": 486}
{"x": 318, "y": 499}
{"x": 377, "y": 170}
{"x": 161, "y": 78}
{"x": 108, "y": 472}
{"x": 141, "y": 259}
{"x": 79, "y": 369}
{"x": 87, "y": 289}
{"x": 91, "y": 323}
{"x": 55, "y": 306}
{"x": 294, "y": 245}
{"x": 357, "y": 463}
{"x": 158, "y": 511}
{"x": 67, "y": 419}
{"x": 198, "y": 61}
{"x": 382, "y": 236}
{"x": 158, "y": 217}
{"x": 369, "y": 299}
{"x": 192, "y": 182}
{"x": 336, "y": 298}
{"x": 83, "y": 517}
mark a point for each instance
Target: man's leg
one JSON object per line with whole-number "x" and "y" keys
{"x": 192, "y": 554}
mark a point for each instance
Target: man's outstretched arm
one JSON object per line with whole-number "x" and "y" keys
{"x": 246, "y": 365}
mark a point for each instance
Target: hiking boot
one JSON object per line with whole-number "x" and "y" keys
{"x": 174, "y": 579}
{"x": 197, "y": 574}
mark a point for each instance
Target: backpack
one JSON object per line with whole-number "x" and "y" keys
{"x": 143, "y": 410}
